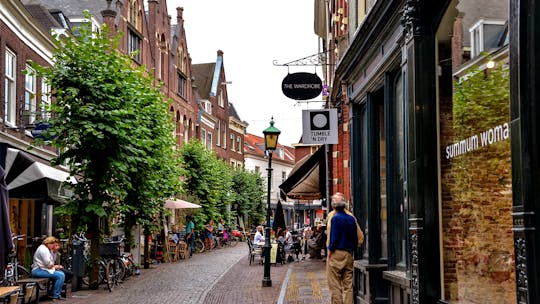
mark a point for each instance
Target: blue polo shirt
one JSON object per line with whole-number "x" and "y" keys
{"x": 343, "y": 232}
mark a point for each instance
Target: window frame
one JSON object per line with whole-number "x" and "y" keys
{"x": 10, "y": 88}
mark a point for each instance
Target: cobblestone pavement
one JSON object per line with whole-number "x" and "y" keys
{"x": 220, "y": 276}
{"x": 299, "y": 282}
{"x": 185, "y": 281}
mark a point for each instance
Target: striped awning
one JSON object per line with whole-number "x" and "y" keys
{"x": 22, "y": 169}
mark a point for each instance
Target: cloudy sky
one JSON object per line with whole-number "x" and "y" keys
{"x": 252, "y": 35}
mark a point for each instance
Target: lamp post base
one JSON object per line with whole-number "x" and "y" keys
{"x": 266, "y": 282}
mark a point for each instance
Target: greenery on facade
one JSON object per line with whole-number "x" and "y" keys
{"x": 221, "y": 191}
{"x": 114, "y": 132}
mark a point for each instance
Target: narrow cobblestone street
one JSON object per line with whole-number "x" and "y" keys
{"x": 220, "y": 276}
{"x": 186, "y": 281}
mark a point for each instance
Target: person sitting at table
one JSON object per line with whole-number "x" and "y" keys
{"x": 258, "y": 239}
{"x": 43, "y": 266}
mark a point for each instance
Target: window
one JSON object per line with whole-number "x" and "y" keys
{"x": 203, "y": 137}
{"x": 207, "y": 106}
{"x": 257, "y": 169}
{"x": 134, "y": 45}
{"x": 182, "y": 85}
{"x": 485, "y": 35}
{"x": 232, "y": 142}
{"x": 209, "y": 140}
{"x": 218, "y": 131}
{"x": 224, "y": 131}
{"x": 10, "y": 88}
{"x": 45, "y": 102}
{"x": 283, "y": 176}
{"x": 30, "y": 96}
{"x": 221, "y": 100}
{"x": 238, "y": 144}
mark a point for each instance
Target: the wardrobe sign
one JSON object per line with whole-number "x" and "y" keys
{"x": 320, "y": 127}
{"x": 301, "y": 86}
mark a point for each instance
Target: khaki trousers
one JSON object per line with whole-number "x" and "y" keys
{"x": 339, "y": 273}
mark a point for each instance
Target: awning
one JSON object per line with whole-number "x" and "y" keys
{"x": 306, "y": 180}
{"x": 21, "y": 170}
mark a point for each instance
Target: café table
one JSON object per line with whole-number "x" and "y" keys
{"x": 6, "y": 292}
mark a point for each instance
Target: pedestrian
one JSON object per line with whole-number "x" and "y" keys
{"x": 190, "y": 235}
{"x": 209, "y": 240}
{"x": 343, "y": 241}
{"x": 43, "y": 266}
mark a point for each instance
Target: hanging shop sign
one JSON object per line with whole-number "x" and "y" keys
{"x": 320, "y": 127}
{"x": 301, "y": 86}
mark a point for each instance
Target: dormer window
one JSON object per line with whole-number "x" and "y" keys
{"x": 485, "y": 35}
{"x": 207, "y": 106}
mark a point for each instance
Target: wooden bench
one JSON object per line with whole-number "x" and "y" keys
{"x": 40, "y": 285}
{"x": 9, "y": 294}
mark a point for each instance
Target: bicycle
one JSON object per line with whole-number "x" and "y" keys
{"x": 13, "y": 271}
{"x": 115, "y": 268}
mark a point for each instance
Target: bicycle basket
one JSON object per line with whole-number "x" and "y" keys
{"x": 110, "y": 249}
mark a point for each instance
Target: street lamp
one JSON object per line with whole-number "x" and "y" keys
{"x": 271, "y": 135}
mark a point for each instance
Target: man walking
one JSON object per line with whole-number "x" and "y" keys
{"x": 343, "y": 240}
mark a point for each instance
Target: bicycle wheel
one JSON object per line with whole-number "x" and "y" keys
{"x": 86, "y": 272}
{"x": 122, "y": 272}
{"x": 22, "y": 273}
{"x": 110, "y": 274}
{"x": 233, "y": 241}
{"x": 199, "y": 246}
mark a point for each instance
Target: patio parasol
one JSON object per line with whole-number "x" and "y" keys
{"x": 6, "y": 245}
{"x": 179, "y": 204}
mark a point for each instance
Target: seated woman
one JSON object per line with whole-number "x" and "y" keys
{"x": 43, "y": 266}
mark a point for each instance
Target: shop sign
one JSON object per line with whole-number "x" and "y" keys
{"x": 40, "y": 129}
{"x": 320, "y": 127}
{"x": 302, "y": 86}
{"x": 477, "y": 141}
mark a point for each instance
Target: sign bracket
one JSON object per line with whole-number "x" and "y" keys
{"x": 318, "y": 59}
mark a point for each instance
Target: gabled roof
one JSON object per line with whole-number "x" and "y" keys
{"x": 254, "y": 145}
{"x": 202, "y": 74}
{"x": 233, "y": 113}
{"x": 43, "y": 16}
{"x": 74, "y": 8}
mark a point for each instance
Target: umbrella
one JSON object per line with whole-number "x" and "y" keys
{"x": 279, "y": 218}
{"x": 179, "y": 204}
{"x": 6, "y": 245}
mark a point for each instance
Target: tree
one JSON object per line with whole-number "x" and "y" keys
{"x": 112, "y": 128}
{"x": 207, "y": 178}
{"x": 248, "y": 191}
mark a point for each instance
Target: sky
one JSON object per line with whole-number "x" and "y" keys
{"x": 252, "y": 35}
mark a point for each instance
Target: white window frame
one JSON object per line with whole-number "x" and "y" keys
{"x": 477, "y": 44}
{"x": 10, "y": 102}
{"x": 203, "y": 137}
{"x": 30, "y": 103}
{"x": 45, "y": 102}
{"x": 232, "y": 142}
{"x": 221, "y": 100}
{"x": 209, "y": 140}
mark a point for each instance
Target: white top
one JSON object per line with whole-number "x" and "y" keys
{"x": 288, "y": 237}
{"x": 43, "y": 259}
{"x": 258, "y": 239}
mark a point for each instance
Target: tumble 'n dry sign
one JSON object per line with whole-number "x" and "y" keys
{"x": 320, "y": 127}
{"x": 301, "y": 86}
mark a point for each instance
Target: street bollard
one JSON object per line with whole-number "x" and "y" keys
{"x": 77, "y": 265}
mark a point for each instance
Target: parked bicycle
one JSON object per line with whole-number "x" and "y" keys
{"x": 13, "y": 270}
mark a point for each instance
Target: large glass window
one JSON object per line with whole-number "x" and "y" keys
{"x": 10, "y": 88}
{"x": 400, "y": 221}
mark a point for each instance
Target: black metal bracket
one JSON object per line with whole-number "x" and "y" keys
{"x": 318, "y": 59}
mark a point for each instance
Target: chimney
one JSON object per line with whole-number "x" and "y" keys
{"x": 109, "y": 16}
